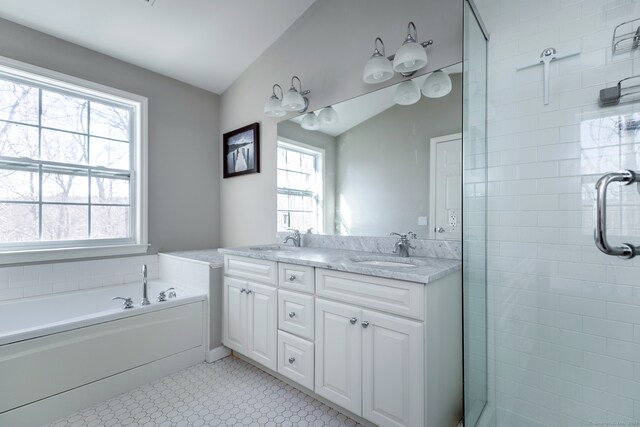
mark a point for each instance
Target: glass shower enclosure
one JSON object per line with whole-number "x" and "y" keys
{"x": 551, "y": 213}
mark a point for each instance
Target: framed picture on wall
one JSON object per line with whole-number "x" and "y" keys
{"x": 241, "y": 149}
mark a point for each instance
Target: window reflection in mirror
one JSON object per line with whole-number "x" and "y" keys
{"x": 381, "y": 167}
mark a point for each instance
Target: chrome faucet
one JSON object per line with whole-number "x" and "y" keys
{"x": 403, "y": 245}
{"x": 145, "y": 300}
{"x": 295, "y": 237}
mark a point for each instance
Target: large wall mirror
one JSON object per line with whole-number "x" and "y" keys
{"x": 374, "y": 166}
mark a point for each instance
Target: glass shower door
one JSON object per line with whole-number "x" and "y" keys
{"x": 474, "y": 152}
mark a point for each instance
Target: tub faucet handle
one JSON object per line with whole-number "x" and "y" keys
{"x": 126, "y": 302}
{"x": 169, "y": 293}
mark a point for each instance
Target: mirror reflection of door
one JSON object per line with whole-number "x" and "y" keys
{"x": 446, "y": 187}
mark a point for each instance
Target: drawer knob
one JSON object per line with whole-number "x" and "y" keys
{"x": 291, "y": 360}
{"x": 365, "y": 324}
{"x": 249, "y": 291}
{"x": 353, "y": 320}
{"x": 292, "y": 314}
{"x": 243, "y": 290}
{"x": 292, "y": 277}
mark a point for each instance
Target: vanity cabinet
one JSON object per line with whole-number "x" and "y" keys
{"x": 384, "y": 349}
{"x": 250, "y": 310}
{"x": 370, "y": 363}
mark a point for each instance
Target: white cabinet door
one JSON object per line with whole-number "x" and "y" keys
{"x": 392, "y": 370}
{"x": 262, "y": 342}
{"x": 338, "y": 375}
{"x": 234, "y": 314}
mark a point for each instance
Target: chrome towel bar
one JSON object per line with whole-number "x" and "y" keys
{"x": 626, "y": 250}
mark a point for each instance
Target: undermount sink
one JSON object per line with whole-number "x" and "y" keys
{"x": 272, "y": 248}
{"x": 384, "y": 263}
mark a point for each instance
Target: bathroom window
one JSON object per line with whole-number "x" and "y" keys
{"x": 300, "y": 183}
{"x": 72, "y": 177}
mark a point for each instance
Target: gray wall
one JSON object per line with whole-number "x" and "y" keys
{"x": 382, "y": 170}
{"x": 184, "y": 160}
{"x": 327, "y": 47}
{"x": 293, "y": 131}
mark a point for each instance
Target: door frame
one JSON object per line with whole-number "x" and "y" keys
{"x": 433, "y": 142}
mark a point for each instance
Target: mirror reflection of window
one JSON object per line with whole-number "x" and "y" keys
{"x": 300, "y": 183}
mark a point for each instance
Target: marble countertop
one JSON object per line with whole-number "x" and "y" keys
{"x": 210, "y": 256}
{"x": 421, "y": 269}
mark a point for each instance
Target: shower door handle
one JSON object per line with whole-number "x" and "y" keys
{"x": 625, "y": 250}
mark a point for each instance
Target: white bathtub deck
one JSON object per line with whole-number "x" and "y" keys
{"x": 228, "y": 392}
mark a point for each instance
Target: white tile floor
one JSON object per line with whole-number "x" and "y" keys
{"x": 228, "y": 392}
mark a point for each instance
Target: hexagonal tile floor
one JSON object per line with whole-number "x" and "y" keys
{"x": 229, "y": 392}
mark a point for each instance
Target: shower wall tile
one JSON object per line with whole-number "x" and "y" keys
{"x": 42, "y": 279}
{"x": 563, "y": 318}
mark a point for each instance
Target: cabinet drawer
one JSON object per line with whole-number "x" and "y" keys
{"x": 391, "y": 296}
{"x": 295, "y": 359}
{"x": 296, "y": 277}
{"x": 252, "y": 269}
{"x": 295, "y": 313}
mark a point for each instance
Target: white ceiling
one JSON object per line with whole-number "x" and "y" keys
{"x": 206, "y": 43}
{"x": 355, "y": 111}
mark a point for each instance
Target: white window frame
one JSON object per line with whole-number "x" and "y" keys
{"x": 67, "y": 250}
{"x": 316, "y": 151}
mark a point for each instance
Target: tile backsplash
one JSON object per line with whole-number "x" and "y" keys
{"x": 448, "y": 249}
{"x": 40, "y": 279}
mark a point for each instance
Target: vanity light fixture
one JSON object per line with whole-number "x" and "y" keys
{"x": 273, "y": 107}
{"x": 378, "y": 68}
{"x": 295, "y": 100}
{"x": 437, "y": 85}
{"x": 408, "y": 59}
{"x": 407, "y": 93}
{"x": 328, "y": 116}
{"x": 310, "y": 121}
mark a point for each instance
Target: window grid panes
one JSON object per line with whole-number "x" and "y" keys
{"x": 66, "y": 166}
{"x": 299, "y": 188}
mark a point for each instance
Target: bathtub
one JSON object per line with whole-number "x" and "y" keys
{"x": 63, "y": 352}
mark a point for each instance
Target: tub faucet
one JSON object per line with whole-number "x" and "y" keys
{"x": 403, "y": 245}
{"x": 145, "y": 300}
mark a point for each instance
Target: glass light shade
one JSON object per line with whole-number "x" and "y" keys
{"x": 310, "y": 122}
{"x": 407, "y": 93}
{"x": 437, "y": 85}
{"x": 378, "y": 69}
{"x": 273, "y": 107}
{"x": 292, "y": 100}
{"x": 328, "y": 116}
{"x": 410, "y": 57}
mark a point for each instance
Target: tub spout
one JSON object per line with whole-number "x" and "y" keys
{"x": 145, "y": 299}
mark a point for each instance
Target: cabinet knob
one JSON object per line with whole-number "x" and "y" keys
{"x": 353, "y": 320}
{"x": 292, "y": 314}
{"x": 291, "y": 360}
{"x": 365, "y": 324}
{"x": 243, "y": 290}
{"x": 249, "y": 291}
{"x": 292, "y": 277}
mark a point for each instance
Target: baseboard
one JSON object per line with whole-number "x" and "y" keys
{"x": 217, "y": 353}
{"x": 61, "y": 405}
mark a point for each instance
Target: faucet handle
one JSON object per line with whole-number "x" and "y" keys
{"x": 396, "y": 234}
{"x": 162, "y": 296}
{"x": 411, "y": 235}
{"x": 127, "y": 302}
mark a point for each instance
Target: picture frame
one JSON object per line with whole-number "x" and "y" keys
{"x": 241, "y": 151}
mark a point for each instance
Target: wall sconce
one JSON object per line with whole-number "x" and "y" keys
{"x": 295, "y": 100}
{"x": 292, "y": 100}
{"x": 273, "y": 107}
{"x": 328, "y": 116}
{"x": 310, "y": 121}
{"x": 437, "y": 85}
{"x": 408, "y": 59}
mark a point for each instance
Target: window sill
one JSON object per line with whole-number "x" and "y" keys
{"x": 42, "y": 255}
